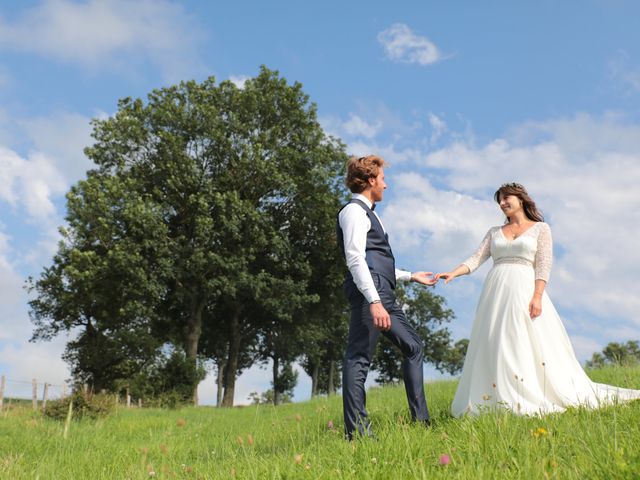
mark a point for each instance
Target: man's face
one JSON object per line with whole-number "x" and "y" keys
{"x": 377, "y": 186}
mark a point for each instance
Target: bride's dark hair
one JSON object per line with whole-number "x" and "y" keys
{"x": 528, "y": 205}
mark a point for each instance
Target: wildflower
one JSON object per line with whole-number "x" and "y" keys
{"x": 233, "y": 472}
{"x": 374, "y": 460}
{"x": 486, "y": 397}
{"x": 308, "y": 466}
{"x": 298, "y": 458}
{"x": 330, "y": 425}
{"x": 144, "y": 450}
{"x": 181, "y": 422}
{"x": 150, "y": 470}
{"x": 164, "y": 449}
{"x": 539, "y": 432}
{"x": 444, "y": 460}
{"x": 298, "y": 417}
{"x": 250, "y": 439}
{"x": 240, "y": 440}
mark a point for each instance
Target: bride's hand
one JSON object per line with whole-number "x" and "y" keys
{"x": 448, "y": 276}
{"x": 535, "y": 307}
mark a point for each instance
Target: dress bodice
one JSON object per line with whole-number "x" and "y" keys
{"x": 533, "y": 247}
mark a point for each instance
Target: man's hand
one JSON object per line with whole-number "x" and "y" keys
{"x": 381, "y": 319}
{"x": 425, "y": 278}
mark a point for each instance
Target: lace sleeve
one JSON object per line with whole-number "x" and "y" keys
{"x": 482, "y": 253}
{"x": 544, "y": 254}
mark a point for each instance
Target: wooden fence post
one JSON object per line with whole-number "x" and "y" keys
{"x": 128, "y": 399}
{"x": 45, "y": 394}
{"x": 34, "y": 395}
{"x": 139, "y": 403}
{"x": 3, "y": 384}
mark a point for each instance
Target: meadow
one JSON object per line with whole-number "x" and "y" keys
{"x": 305, "y": 440}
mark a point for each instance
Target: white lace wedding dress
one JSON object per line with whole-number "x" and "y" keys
{"x": 513, "y": 362}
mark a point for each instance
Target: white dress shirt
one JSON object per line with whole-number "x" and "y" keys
{"x": 355, "y": 224}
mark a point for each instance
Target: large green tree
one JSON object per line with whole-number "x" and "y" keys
{"x": 105, "y": 282}
{"x": 235, "y": 178}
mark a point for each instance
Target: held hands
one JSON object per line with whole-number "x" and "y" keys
{"x": 425, "y": 278}
{"x": 448, "y": 276}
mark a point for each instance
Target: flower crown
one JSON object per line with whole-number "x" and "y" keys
{"x": 517, "y": 186}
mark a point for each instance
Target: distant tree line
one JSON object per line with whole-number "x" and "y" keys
{"x": 205, "y": 235}
{"x": 616, "y": 354}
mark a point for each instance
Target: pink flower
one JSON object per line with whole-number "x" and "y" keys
{"x": 444, "y": 459}
{"x": 330, "y": 425}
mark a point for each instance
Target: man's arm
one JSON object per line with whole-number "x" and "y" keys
{"x": 355, "y": 224}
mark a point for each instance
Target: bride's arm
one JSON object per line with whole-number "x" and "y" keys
{"x": 473, "y": 262}
{"x": 542, "y": 267}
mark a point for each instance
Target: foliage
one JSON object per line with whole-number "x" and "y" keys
{"x": 205, "y": 225}
{"x": 167, "y": 382}
{"x": 616, "y": 354}
{"x": 87, "y": 405}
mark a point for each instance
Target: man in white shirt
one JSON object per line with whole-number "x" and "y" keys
{"x": 369, "y": 286}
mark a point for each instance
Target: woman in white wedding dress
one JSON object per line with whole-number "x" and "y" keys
{"x": 519, "y": 355}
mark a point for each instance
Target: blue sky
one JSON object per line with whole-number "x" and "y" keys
{"x": 458, "y": 96}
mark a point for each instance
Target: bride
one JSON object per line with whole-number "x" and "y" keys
{"x": 519, "y": 356}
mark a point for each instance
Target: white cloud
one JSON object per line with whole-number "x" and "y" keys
{"x": 356, "y": 126}
{"x": 627, "y": 77}
{"x": 41, "y": 361}
{"x": 30, "y": 183}
{"x": 11, "y": 294}
{"x": 239, "y": 80}
{"x": 438, "y": 127}
{"x": 63, "y": 136}
{"x": 402, "y": 45}
{"x": 99, "y": 34}
{"x": 583, "y": 172}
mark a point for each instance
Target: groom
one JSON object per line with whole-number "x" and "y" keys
{"x": 369, "y": 286}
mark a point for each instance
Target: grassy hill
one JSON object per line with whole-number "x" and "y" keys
{"x": 304, "y": 440}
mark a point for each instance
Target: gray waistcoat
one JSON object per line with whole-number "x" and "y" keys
{"x": 378, "y": 253}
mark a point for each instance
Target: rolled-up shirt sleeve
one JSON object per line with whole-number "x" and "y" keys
{"x": 355, "y": 224}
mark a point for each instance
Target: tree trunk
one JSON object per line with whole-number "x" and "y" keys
{"x": 192, "y": 337}
{"x": 331, "y": 390}
{"x": 314, "y": 379}
{"x": 276, "y": 393}
{"x": 220, "y": 382}
{"x": 232, "y": 360}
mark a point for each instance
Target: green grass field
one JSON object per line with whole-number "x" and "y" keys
{"x": 305, "y": 440}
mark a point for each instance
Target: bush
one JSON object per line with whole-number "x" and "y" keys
{"x": 84, "y": 406}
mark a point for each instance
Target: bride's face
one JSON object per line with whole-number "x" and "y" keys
{"x": 510, "y": 204}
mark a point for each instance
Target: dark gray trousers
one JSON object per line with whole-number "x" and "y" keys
{"x": 363, "y": 337}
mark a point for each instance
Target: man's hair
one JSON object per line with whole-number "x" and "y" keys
{"x": 360, "y": 170}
